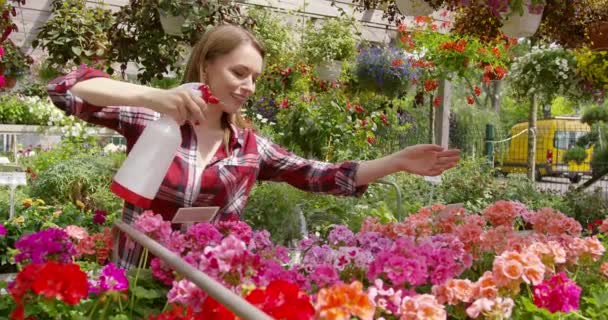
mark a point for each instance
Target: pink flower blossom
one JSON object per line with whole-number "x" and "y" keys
{"x": 496, "y": 308}
{"x": 76, "y": 232}
{"x": 186, "y": 293}
{"x": 153, "y": 225}
{"x": 558, "y": 293}
{"x": 324, "y": 275}
{"x": 386, "y": 299}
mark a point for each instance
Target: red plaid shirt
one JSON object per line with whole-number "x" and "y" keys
{"x": 227, "y": 180}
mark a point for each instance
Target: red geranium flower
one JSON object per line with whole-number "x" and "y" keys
{"x": 282, "y": 300}
{"x": 470, "y": 100}
{"x": 64, "y": 282}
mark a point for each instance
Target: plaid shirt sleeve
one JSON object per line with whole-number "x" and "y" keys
{"x": 277, "y": 164}
{"x": 128, "y": 121}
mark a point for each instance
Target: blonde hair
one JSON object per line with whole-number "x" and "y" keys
{"x": 216, "y": 42}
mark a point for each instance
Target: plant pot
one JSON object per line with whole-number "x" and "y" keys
{"x": 414, "y": 7}
{"x": 9, "y": 82}
{"x": 598, "y": 34}
{"x": 172, "y": 25}
{"x": 329, "y": 70}
{"x": 525, "y": 25}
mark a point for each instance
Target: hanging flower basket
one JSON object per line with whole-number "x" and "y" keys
{"x": 329, "y": 70}
{"x": 172, "y": 25}
{"x": 414, "y": 7}
{"x": 598, "y": 34}
{"x": 524, "y": 25}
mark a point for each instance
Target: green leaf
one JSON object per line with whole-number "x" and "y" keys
{"x": 143, "y": 293}
{"x": 99, "y": 52}
{"x": 77, "y": 51}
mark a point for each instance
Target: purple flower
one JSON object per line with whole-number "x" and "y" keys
{"x": 341, "y": 235}
{"x": 2, "y": 230}
{"x": 111, "y": 278}
{"x": 99, "y": 217}
{"x": 324, "y": 275}
{"x": 45, "y": 245}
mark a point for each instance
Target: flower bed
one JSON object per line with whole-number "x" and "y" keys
{"x": 503, "y": 262}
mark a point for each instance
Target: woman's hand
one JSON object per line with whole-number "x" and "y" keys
{"x": 425, "y": 159}
{"x": 182, "y": 103}
{"x": 421, "y": 159}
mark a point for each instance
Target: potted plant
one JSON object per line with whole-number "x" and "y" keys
{"x": 519, "y": 18}
{"x": 453, "y": 55}
{"x": 190, "y": 18}
{"x": 575, "y": 24}
{"x": 477, "y": 20}
{"x": 13, "y": 63}
{"x": 172, "y": 15}
{"x": 596, "y": 21}
{"x": 388, "y": 70}
{"x": 158, "y": 53}
{"x": 545, "y": 73}
{"x": 329, "y": 45}
{"x": 75, "y": 34}
{"x": 7, "y": 10}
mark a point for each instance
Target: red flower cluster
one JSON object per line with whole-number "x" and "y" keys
{"x": 51, "y": 280}
{"x": 437, "y": 101}
{"x": 430, "y": 85}
{"x": 176, "y": 312}
{"x": 470, "y": 100}
{"x": 477, "y": 91}
{"x": 493, "y": 73}
{"x": 97, "y": 245}
{"x": 397, "y": 62}
{"x": 459, "y": 45}
{"x": 280, "y": 300}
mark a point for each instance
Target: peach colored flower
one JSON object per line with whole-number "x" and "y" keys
{"x": 455, "y": 291}
{"x": 497, "y": 308}
{"x": 486, "y": 286}
{"x": 604, "y": 227}
{"x": 604, "y": 269}
{"x": 421, "y": 307}
{"x": 584, "y": 250}
{"x": 511, "y": 267}
{"x": 550, "y": 253}
{"x": 343, "y": 301}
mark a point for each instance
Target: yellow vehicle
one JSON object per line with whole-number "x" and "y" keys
{"x": 554, "y": 137}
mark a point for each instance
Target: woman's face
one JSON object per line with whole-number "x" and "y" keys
{"x": 232, "y": 77}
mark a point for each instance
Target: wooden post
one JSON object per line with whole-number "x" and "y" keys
{"x": 431, "y": 120}
{"x": 442, "y": 116}
{"x": 532, "y": 139}
{"x": 495, "y": 97}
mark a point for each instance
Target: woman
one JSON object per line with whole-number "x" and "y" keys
{"x": 220, "y": 159}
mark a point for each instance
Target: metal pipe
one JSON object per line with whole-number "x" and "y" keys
{"x": 223, "y": 295}
{"x": 398, "y": 191}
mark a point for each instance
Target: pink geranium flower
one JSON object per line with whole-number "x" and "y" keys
{"x": 557, "y": 294}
